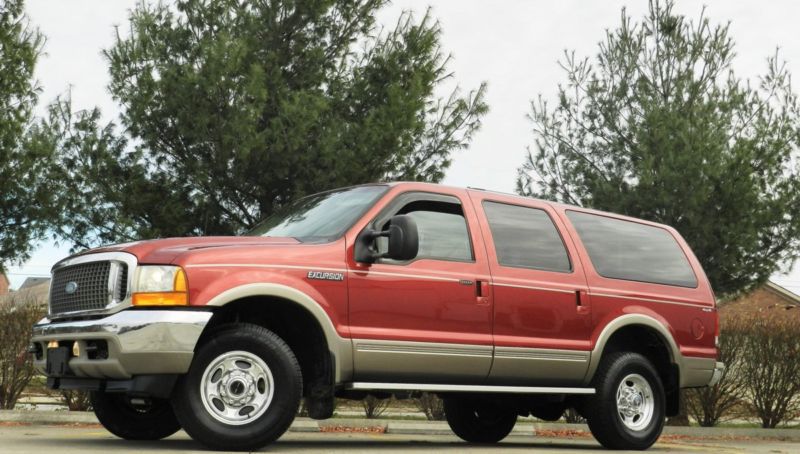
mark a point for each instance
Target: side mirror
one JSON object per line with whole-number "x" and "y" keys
{"x": 403, "y": 241}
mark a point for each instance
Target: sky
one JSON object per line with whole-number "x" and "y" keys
{"x": 513, "y": 45}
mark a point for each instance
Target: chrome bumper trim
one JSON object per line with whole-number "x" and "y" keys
{"x": 139, "y": 342}
{"x": 719, "y": 369}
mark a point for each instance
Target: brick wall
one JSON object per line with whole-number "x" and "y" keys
{"x": 3, "y": 284}
{"x": 762, "y": 302}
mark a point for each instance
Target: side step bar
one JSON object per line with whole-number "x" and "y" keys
{"x": 465, "y": 388}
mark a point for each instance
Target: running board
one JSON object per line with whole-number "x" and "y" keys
{"x": 465, "y": 388}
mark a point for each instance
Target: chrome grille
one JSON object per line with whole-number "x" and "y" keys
{"x": 90, "y": 287}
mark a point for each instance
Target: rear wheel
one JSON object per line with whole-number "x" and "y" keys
{"x": 134, "y": 419}
{"x": 242, "y": 390}
{"x": 478, "y": 421}
{"x": 629, "y": 408}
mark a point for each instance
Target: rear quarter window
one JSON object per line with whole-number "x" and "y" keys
{"x": 632, "y": 251}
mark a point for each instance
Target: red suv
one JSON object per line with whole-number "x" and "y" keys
{"x": 504, "y": 306}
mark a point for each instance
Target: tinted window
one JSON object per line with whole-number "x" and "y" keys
{"x": 636, "y": 252}
{"x": 526, "y": 237}
{"x": 443, "y": 232}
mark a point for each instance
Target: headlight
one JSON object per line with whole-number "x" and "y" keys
{"x": 157, "y": 285}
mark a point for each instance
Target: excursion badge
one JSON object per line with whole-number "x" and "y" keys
{"x": 325, "y": 276}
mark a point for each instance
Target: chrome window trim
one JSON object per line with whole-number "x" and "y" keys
{"x": 114, "y": 305}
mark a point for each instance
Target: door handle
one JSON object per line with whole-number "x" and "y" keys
{"x": 581, "y": 302}
{"x": 482, "y": 292}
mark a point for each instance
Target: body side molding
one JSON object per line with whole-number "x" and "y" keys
{"x": 466, "y": 388}
{"x": 340, "y": 347}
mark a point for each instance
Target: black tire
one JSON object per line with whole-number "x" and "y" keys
{"x": 152, "y": 421}
{"x": 605, "y": 418}
{"x": 478, "y": 421}
{"x": 199, "y": 421}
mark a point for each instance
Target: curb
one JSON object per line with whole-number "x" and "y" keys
{"x": 400, "y": 427}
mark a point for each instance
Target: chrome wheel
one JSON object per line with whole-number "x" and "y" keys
{"x": 635, "y": 403}
{"x": 237, "y": 387}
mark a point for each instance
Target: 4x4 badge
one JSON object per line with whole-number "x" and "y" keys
{"x": 325, "y": 276}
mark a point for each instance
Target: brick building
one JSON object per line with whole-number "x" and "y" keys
{"x": 769, "y": 300}
{"x": 4, "y": 284}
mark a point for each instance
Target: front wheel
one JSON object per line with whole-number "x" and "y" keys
{"x": 628, "y": 410}
{"x": 478, "y": 421}
{"x": 148, "y": 419}
{"x": 242, "y": 390}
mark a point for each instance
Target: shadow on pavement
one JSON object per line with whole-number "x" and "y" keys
{"x": 327, "y": 444}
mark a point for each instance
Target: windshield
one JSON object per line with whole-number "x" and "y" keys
{"x": 320, "y": 217}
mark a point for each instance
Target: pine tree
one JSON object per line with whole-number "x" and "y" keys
{"x": 233, "y": 108}
{"x": 658, "y": 126}
{"x": 26, "y": 197}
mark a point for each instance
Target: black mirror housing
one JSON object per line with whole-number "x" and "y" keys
{"x": 403, "y": 238}
{"x": 403, "y": 241}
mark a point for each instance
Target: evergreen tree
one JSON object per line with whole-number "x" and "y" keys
{"x": 233, "y": 108}
{"x": 658, "y": 126}
{"x": 26, "y": 196}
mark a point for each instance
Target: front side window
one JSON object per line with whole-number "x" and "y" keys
{"x": 443, "y": 233}
{"x": 526, "y": 238}
{"x": 632, "y": 251}
{"x": 320, "y": 217}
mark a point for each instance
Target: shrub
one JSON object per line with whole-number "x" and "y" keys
{"x": 16, "y": 367}
{"x": 712, "y": 405}
{"x": 571, "y": 416}
{"x": 770, "y": 375}
{"x": 431, "y": 405}
{"x": 374, "y": 407}
{"x": 76, "y": 400}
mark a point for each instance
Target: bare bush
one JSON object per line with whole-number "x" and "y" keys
{"x": 76, "y": 400}
{"x": 712, "y": 405}
{"x": 431, "y": 405}
{"x": 16, "y": 368}
{"x": 571, "y": 416}
{"x": 375, "y": 407}
{"x": 770, "y": 374}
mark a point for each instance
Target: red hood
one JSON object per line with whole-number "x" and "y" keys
{"x": 165, "y": 250}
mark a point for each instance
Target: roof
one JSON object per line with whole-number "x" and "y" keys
{"x": 783, "y": 292}
{"x": 33, "y": 282}
{"x": 512, "y": 196}
{"x": 769, "y": 300}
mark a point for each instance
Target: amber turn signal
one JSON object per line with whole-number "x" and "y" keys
{"x": 160, "y": 299}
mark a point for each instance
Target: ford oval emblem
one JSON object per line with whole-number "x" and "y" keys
{"x": 71, "y": 288}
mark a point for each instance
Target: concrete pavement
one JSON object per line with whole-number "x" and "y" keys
{"x": 83, "y": 440}
{"x": 525, "y": 426}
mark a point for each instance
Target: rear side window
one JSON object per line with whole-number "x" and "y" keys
{"x": 526, "y": 238}
{"x": 631, "y": 251}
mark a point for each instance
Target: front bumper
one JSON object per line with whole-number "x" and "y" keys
{"x": 140, "y": 342}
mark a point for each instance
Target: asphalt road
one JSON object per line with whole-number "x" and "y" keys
{"x": 74, "y": 440}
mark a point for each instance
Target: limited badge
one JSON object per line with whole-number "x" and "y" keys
{"x": 325, "y": 276}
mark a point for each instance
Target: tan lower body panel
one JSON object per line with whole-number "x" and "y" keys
{"x": 697, "y": 372}
{"x": 426, "y": 361}
{"x": 538, "y": 366}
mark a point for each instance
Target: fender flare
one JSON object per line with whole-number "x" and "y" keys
{"x": 340, "y": 347}
{"x": 629, "y": 320}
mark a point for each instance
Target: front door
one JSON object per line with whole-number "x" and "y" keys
{"x": 428, "y": 319}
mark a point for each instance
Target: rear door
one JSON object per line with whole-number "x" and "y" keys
{"x": 542, "y": 311}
